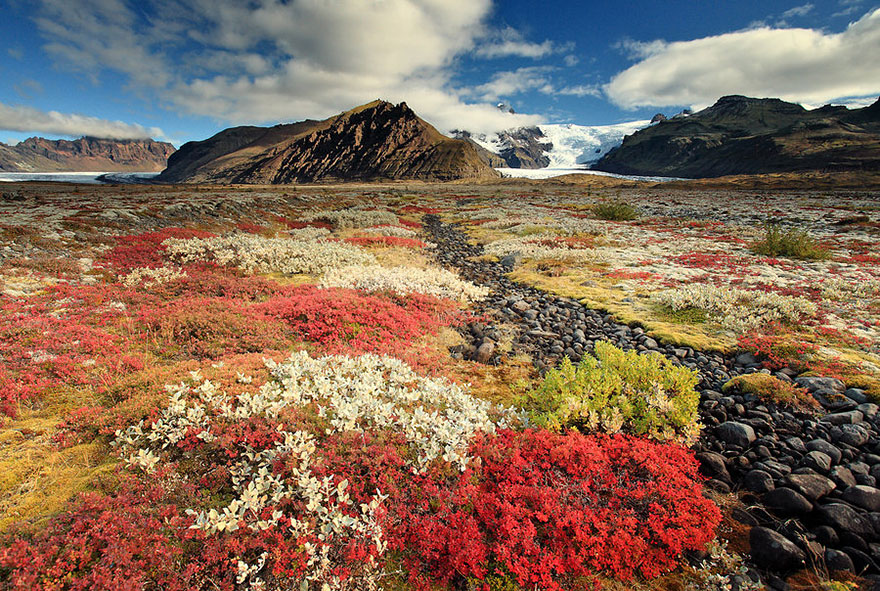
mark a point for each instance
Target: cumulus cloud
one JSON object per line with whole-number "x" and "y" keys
{"x": 283, "y": 60}
{"x": 516, "y": 82}
{"x": 27, "y": 119}
{"x": 800, "y": 65}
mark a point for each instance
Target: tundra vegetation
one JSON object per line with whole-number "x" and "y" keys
{"x": 220, "y": 388}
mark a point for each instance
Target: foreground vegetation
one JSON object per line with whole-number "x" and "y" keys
{"x": 253, "y": 390}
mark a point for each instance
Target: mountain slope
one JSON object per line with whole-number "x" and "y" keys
{"x": 87, "y": 154}
{"x": 375, "y": 141}
{"x": 741, "y": 135}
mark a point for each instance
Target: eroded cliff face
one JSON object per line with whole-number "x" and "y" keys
{"x": 90, "y": 154}
{"x": 741, "y": 135}
{"x": 376, "y": 141}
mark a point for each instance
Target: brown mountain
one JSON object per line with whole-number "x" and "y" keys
{"x": 375, "y": 141}
{"x": 741, "y": 135}
{"x": 87, "y": 154}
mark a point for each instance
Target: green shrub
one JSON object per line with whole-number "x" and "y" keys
{"x": 619, "y": 390}
{"x": 617, "y": 211}
{"x": 791, "y": 242}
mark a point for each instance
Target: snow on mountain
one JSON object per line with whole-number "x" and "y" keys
{"x": 573, "y": 145}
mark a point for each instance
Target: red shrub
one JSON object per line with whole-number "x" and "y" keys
{"x": 345, "y": 320}
{"x": 210, "y": 327}
{"x": 145, "y": 250}
{"x": 125, "y": 542}
{"x": 550, "y": 508}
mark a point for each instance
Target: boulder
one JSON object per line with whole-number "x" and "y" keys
{"x": 866, "y": 497}
{"x": 812, "y": 486}
{"x": 736, "y": 433}
{"x": 772, "y": 550}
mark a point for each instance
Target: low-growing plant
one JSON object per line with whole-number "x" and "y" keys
{"x": 789, "y": 242}
{"x": 616, "y": 211}
{"x": 619, "y": 390}
{"x": 769, "y": 388}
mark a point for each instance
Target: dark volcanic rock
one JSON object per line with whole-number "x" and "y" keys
{"x": 786, "y": 502}
{"x": 845, "y": 518}
{"x": 773, "y": 550}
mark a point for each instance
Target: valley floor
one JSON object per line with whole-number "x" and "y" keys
{"x": 393, "y": 386}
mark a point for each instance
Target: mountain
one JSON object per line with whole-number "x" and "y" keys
{"x": 552, "y": 145}
{"x": 87, "y": 154}
{"x": 741, "y": 135}
{"x": 376, "y": 141}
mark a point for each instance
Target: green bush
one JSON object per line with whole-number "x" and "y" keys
{"x": 617, "y": 390}
{"x": 617, "y": 211}
{"x": 791, "y": 242}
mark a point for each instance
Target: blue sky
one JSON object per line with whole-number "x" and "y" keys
{"x": 183, "y": 69}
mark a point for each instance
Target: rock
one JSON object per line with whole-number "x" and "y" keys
{"x": 815, "y": 383}
{"x": 818, "y": 461}
{"x": 712, "y": 466}
{"x": 510, "y": 261}
{"x": 835, "y": 560}
{"x": 853, "y": 435}
{"x": 869, "y": 409}
{"x": 746, "y": 359}
{"x": 842, "y": 476}
{"x": 772, "y": 550}
{"x": 787, "y": 502}
{"x": 485, "y": 352}
{"x": 826, "y": 535}
{"x": 845, "y": 518}
{"x": 857, "y": 395}
{"x": 758, "y": 481}
{"x": 736, "y": 433}
{"x": 866, "y": 497}
{"x": 520, "y": 306}
{"x": 849, "y": 417}
{"x": 826, "y": 448}
{"x": 812, "y": 486}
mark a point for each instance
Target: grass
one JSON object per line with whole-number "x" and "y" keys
{"x": 616, "y": 211}
{"x": 789, "y": 242}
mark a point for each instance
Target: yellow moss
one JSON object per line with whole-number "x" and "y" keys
{"x": 769, "y": 388}
{"x": 601, "y": 295}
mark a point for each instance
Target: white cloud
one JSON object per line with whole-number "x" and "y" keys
{"x": 285, "y": 60}
{"x": 798, "y": 11}
{"x": 27, "y": 119}
{"x": 510, "y": 42}
{"x": 800, "y": 65}
{"x": 516, "y": 82}
{"x": 571, "y": 60}
{"x": 581, "y": 90}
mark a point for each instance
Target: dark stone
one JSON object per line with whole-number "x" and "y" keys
{"x": 758, "y": 481}
{"x": 772, "y": 550}
{"x": 844, "y": 518}
{"x": 812, "y": 486}
{"x": 712, "y": 466}
{"x": 787, "y": 502}
{"x": 842, "y": 476}
{"x": 850, "y": 417}
{"x": 818, "y": 461}
{"x": 835, "y": 560}
{"x": 826, "y": 535}
{"x": 736, "y": 433}
{"x": 854, "y": 435}
{"x": 866, "y": 497}
{"x": 826, "y": 448}
{"x": 816, "y": 383}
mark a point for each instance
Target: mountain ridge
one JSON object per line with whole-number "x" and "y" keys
{"x": 86, "y": 154}
{"x": 744, "y": 135}
{"x": 375, "y": 141}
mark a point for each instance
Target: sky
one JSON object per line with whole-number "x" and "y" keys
{"x": 181, "y": 70}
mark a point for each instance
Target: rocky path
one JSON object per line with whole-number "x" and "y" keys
{"x": 808, "y": 480}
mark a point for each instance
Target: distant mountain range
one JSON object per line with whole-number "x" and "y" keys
{"x": 376, "y": 141}
{"x": 87, "y": 154}
{"x": 741, "y": 135}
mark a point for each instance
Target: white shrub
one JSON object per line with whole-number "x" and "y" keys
{"x": 254, "y": 253}
{"x": 148, "y": 276}
{"x": 737, "y": 309}
{"x": 405, "y": 280}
